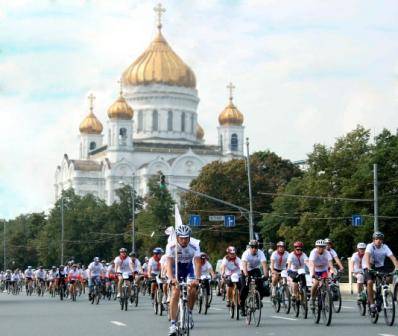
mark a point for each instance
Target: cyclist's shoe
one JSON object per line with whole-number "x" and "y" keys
{"x": 118, "y": 296}
{"x": 172, "y": 330}
{"x": 312, "y": 304}
{"x": 228, "y": 304}
{"x": 243, "y": 311}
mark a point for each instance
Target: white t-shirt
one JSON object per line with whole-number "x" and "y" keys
{"x": 357, "y": 261}
{"x": 29, "y": 273}
{"x": 74, "y": 275}
{"x": 40, "y": 274}
{"x": 377, "y": 255}
{"x": 231, "y": 266}
{"x": 332, "y": 253}
{"x": 205, "y": 268}
{"x": 279, "y": 260}
{"x": 297, "y": 261}
{"x": 136, "y": 265}
{"x": 185, "y": 254}
{"x": 321, "y": 261}
{"x": 253, "y": 261}
{"x": 155, "y": 266}
{"x": 95, "y": 269}
{"x": 163, "y": 263}
{"x": 124, "y": 264}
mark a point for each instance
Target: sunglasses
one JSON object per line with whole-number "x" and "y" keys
{"x": 298, "y": 249}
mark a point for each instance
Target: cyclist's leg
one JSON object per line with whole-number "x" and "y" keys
{"x": 275, "y": 280}
{"x": 119, "y": 285}
{"x": 175, "y": 294}
{"x": 191, "y": 295}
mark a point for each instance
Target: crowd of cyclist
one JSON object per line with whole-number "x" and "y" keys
{"x": 192, "y": 266}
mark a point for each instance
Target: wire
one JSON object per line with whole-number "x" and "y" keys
{"x": 318, "y": 197}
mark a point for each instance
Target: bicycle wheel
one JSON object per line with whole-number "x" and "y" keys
{"x": 327, "y": 307}
{"x": 248, "y": 308}
{"x": 185, "y": 321}
{"x": 232, "y": 309}
{"x": 200, "y": 301}
{"x": 236, "y": 302}
{"x": 389, "y": 308}
{"x": 361, "y": 307}
{"x": 396, "y": 291}
{"x": 317, "y": 307}
{"x": 156, "y": 303}
{"x": 136, "y": 297}
{"x": 286, "y": 299}
{"x": 276, "y": 301}
{"x": 336, "y": 294}
{"x": 206, "y": 301}
{"x": 257, "y": 309}
{"x": 373, "y": 315}
{"x": 303, "y": 302}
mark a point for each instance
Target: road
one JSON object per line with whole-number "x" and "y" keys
{"x": 21, "y": 315}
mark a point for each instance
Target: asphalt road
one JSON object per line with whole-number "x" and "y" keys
{"x": 21, "y": 315}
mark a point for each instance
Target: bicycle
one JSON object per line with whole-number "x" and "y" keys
{"x": 158, "y": 299}
{"x": 301, "y": 302}
{"x": 95, "y": 294}
{"x": 282, "y": 296}
{"x": 124, "y": 295}
{"x": 41, "y": 287}
{"x": 134, "y": 292}
{"x": 235, "y": 302}
{"x": 204, "y": 294}
{"x": 29, "y": 287}
{"x": 334, "y": 286}
{"x": 362, "y": 302}
{"x": 253, "y": 303}
{"x": 384, "y": 299}
{"x": 72, "y": 290}
{"x": 323, "y": 302}
{"x": 183, "y": 322}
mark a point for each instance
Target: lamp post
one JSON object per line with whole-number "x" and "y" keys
{"x": 251, "y": 226}
{"x": 62, "y": 230}
{"x": 4, "y": 246}
{"x": 133, "y": 213}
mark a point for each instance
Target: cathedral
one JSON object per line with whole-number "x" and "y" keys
{"x": 152, "y": 126}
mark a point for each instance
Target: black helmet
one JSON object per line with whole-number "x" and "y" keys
{"x": 378, "y": 235}
{"x": 132, "y": 254}
{"x": 253, "y": 243}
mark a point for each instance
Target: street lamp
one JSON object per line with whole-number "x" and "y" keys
{"x": 133, "y": 213}
{"x": 251, "y": 225}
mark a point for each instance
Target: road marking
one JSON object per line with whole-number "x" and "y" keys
{"x": 120, "y": 324}
{"x": 386, "y": 334}
{"x": 216, "y": 308}
{"x": 345, "y": 307}
{"x": 284, "y": 318}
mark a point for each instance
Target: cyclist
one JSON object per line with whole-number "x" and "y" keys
{"x": 153, "y": 269}
{"x": 73, "y": 277}
{"x": 7, "y": 278}
{"x": 187, "y": 254}
{"x": 231, "y": 264}
{"x": 206, "y": 270}
{"x": 40, "y": 276}
{"x": 278, "y": 264}
{"x": 163, "y": 278}
{"x": 296, "y": 261}
{"x": 357, "y": 267}
{"x": 333, "y": 253}
{"x": 320, "y": 262}
{"x": 145, "y": 267}
{"x": 375, "y": 255}
{"x": 123, "y": 264}
{"x": 95, "y": 270}
{"x": 137, "y": 269}
{"x": 252, "y": 259}
{"x": 29, "y": 277}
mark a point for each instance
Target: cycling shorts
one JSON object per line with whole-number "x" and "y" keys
{"x": 185, "y": 271}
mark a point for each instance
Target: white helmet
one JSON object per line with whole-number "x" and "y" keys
{"x": 320, "y": 242}
{"x": 183, "y": 231}
{"x": 361, "y": 246}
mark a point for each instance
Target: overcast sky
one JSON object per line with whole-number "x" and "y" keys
{"x": 305, "y": 72}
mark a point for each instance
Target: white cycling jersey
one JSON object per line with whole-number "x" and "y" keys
{"x": 231, "y": 266}
{"x": 253, "y": 260}
{"x": 206, "y": 268}
{"x": 280, "y": 260}
{"x": 95, "y": 269}
{"x": 163, "y": 265}
{"x": 123, "y": 265}
{"x": 297, "y": 261}
{"x": 154, "y": 265}
{"x": 321, "y": 261}
{"x": 377, "y": 255}
{"x": 40, "y": 274}
{"x": 185, "y": 255}
{"x": 332, "y": 252}
{"x": 29, "y": 273}
{"x": 136, "y": 265}
{"x": 357, "y": 260}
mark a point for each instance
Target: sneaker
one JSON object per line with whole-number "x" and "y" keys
{"x": 228, "y": 304}
{"x": 118, "y": 296}
{"x": 172, "y": 330}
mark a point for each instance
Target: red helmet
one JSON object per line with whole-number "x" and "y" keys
{"x": 298, "y": 244}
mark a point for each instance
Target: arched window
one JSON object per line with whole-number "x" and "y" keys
{"x": 192, "y": 123}
{"x": 93, "y": 145}
{"x": 183, "y": 122}
{"x": 170, "y": 120}
{"x": 234, "y": 142}
{"x": 155, "y": 120}
{"x": 122, "y": 136}
{"x": 140, "y": 125}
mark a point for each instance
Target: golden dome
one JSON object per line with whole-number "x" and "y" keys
{"x": 230, "y": 116}
{"x": 91, "y": 125}
{"x": 120, "y": 109}
{"x": 200, "y": 133}
{"x": 159, "y": 64}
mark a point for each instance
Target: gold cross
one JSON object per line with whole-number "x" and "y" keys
{"x": 159, "y": 10}
{"x": 121, "y": 86}
{"x": 231, "y": 88}
{"x": 91, "y": 98}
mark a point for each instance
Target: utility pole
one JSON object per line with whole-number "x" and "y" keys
{"x": 62, "y": 230}
{"x": 4, "y": 246}
{"x": 133, "y": 215}
{"x": 375, "y": 199}
{"x": 251, "y": 225}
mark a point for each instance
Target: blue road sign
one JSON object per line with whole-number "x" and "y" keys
{"x": 194, "y": 220}
{"x": 229, "y": 221}
{"x": 356, "y": 220}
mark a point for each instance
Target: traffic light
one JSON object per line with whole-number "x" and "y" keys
{"x": 162, "y": 181}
